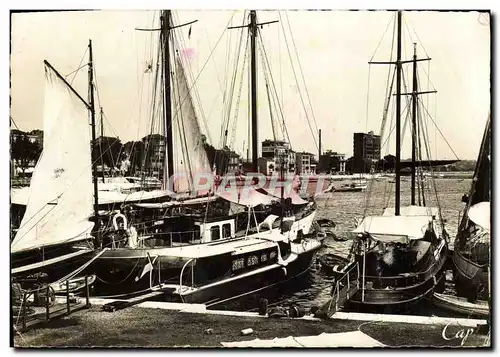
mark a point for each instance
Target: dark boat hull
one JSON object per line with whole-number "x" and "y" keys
{"x": 471, "y": 280}
{"x": 348, "y": 189}
{"x": 55, "y": 263}
{"x": 116, "y": 278}
{"x": 56, "y": 272}
{"x": 251, "y": 284}
{"x": 403, "y": 298}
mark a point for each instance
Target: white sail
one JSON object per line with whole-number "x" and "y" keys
{"x": 60, "y": 199}
{"x": 190, "y": 157}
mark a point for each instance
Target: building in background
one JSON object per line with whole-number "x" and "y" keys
{"x": 332, "y": 162}
{"x": 275, "y": 149}
{"x": 34, "y": 136}
{"x": 305, "y": 163}
{"x": 234, "y": 162}
{"x": 366, "y": 151}
{"x": 267, "y": 166}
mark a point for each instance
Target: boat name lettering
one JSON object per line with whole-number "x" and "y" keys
{"x": 252, "y": 260}
{"x": 238, "y": 264}
{"x": 460, "y": 334}
{"x": 159, "y": 222}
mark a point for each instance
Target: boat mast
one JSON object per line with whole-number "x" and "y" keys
{"x": 253, "y": 83}
{"x": 253, "y": 28}
{"x": 165, "y": 29}
{"x": 319, "y": 148}
{"x": 100, "y": 144}
{"x": 414, "y": 125}
{"x": 93, "y": 152}
{"x": 414, "y": 137}
{"x": 398, "y": 117}
{"x": 168, "y": 168}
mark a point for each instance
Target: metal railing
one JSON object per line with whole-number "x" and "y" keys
{"x": 182, "y": 274}
{"x": 345, "y": 280}
{"x": 47, "y": 296}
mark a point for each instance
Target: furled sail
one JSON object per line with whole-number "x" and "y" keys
{"x": 482, "y": 174}
{"x": 60, "y": 199}
{"x": 480, "y": 188}
{"x": 190, "y": 161}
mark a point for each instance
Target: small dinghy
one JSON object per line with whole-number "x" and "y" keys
{"x": 326, "y": 227}
{"x": 332, "y": 264}
{"x": 459, "y": 304}
{"x": 76, "y": 285}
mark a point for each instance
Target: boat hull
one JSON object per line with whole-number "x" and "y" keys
{"x": 54, "y": 264}
{"x": 460, "y": 305}
{"x": 245, "y": 285}
{"x": 471, "y": 280}
{"x": 121, "y": 277}
{"x": 402, "y": 298}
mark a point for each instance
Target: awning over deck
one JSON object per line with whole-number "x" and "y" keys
{"x": 394, "y": 228}
{"x": 413, "y": 211}
{"x": 246, "y": 196}
{"x": 480, "y": 214}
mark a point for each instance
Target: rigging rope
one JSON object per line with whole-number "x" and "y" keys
{"x": 427, "y": 148}
{"x": 79, "y": 66}
{"x": 298, "y": 87}
{"x": 237, "y": 106}
{"x": 284, "y": 127}
{"x": 429, "y": 116}
{"x": 226, "y": 119}
{"x": 382, "y": 38}
{"x": 301, "y": 72}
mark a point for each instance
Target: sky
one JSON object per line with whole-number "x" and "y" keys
{"x": 334, "y": 47}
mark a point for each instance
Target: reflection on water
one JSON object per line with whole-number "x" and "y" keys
{"x": 344, "y": 208}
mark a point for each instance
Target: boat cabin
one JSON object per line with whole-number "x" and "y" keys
{"x": 217, "y": 230}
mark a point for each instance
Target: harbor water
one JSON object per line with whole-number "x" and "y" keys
{"x": 344, "y": 208}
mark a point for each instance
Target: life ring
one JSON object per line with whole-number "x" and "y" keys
{"x": 115, "y": 222}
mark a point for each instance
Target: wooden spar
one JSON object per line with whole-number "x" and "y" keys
{"x": 253, "y": 89}
{"x": 168, "y": 168}
{"x": 100, "y": 143}
{"x": 398, "y": 118}
{"x": 93, "y": 153}
{"x": 165, "y": 20}
{"x": 414, "y": 125}
{"x": 253, "y": 28}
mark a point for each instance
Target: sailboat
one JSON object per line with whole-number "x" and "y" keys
{"x": 397, "y": 258}
{"x": 471, "y": 254}
{"x": 56, "y": 233}
{"x": 195, "y": 248}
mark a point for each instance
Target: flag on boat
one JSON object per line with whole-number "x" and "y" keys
{"x": 147, "y": 268}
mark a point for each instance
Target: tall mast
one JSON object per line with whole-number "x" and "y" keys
{"x": 94, "y": 159}
{"x": 398, "y": 95}
{"x": 168, "y": 168}
{"x": 253, "y": 89}
{"x": 165, "y": 28}
{"x": 398, "y": 118}
{"x": 319, "y": 146}
{"x": 253, "y": 28}
{"x": 414, "y": 125}
{"x": 100, "y": 143}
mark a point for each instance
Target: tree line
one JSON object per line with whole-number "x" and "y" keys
{"x": 110, "y": 152}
